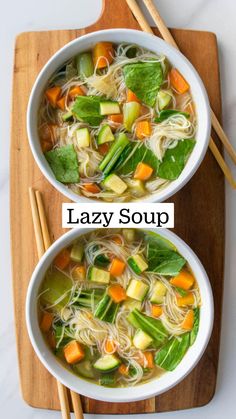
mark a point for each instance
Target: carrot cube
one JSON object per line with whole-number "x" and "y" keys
{"x": 178, "y": 82}
{"x": 131, "y": 97}
{"x": 117, "y": 267}
{"x": 188, "y": 320}
{"x": 143, "y": 129}
{"x": 53, "y": 95}
{"x": 46, "y": 322}
{"x": 62, "y": 260}
{"x": 75, "y": 91}
{"x": 143, "y": 171}
{"x": 183, "y": 280}
{"x": 156, "y": 310}
{"x": 117, "y": 293}
{"x": 73, "y": 352}
{"x": 186, "y": 300}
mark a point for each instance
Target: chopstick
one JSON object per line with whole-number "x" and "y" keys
{"x": 43, "y": 242}
{"x": 135, "y": 9}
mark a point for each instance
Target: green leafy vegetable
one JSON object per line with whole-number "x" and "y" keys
{"x": 134, "y": 154}
{"x": 153, "y": 327}
{"x": 170, "y": 355}
{"x": 175, "y": 159}
{"x": 144, "y": 79}
{"x": 64, "y": 164}
{"x": 162, "y": 260}
{"x": 87, "y": 109}
{"x": 88, "y": 298}
{"x": 194, "y": 331}
{"x": 157, "y": 240}
{"x": 106, "y": 310}
{"x": 55, "y": 285}
{"x": 169, "y": 112}
{"x": 107, "y": 380}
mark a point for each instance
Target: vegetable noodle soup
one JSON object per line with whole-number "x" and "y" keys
{"x": 119, "y": 307}
{"x": 117, "y": 123}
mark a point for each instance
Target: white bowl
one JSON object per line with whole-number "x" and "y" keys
{"x": 152, "y": 43}
{"x": 139, "y": 392}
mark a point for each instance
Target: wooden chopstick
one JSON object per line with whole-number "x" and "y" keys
{"x": 169, "y": 38}
{"x": 43, "y": 242}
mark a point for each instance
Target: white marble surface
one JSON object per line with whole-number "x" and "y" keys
{"x": 25, "y": 15}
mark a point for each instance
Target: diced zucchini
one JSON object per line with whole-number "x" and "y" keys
{"x": 131, "y": 304}
{"x": 83, "y": 137}
{"x": 158, "y": 293}
{"x": 105, "y": 135}
{"x": 115, "y": 183}
{"x": 84, "y": 368}
{"x": 137, "y": 187}
{"x": 84, "y": 63}
{"x": 98, "y": 275}
{"x": 114, "y": 153}
{"x": 142, "y": 340}
{"x": 106, "y": 309}
{"x": 164, "y": 98}
{"x": 131, "y": 112}
{"x": 129, "y": 234}
{"x": 109, "y": 108}
{"x": 107, "y": 363}
{"x": 137, "y": 290}
{"x": 66, "y": 116}
{"x": 77, "y": 252}
{"x": 137, "y": 264}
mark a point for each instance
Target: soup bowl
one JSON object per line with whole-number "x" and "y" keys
{"x": 152, "y": 43}
{"x": 142, "y": 391}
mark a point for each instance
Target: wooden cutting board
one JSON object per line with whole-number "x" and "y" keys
{"x": 199, "y": 214}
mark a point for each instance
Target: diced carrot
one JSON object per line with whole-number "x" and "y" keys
{"x": 117, "y": 240}
{"x": 61, "y": 103}
{"x": 62, "y": 260}
{"x": 79, "y": 273}
{"x": 131, "y": 97}
{"x": 118, "y": 118}
{"x": 183, "y": 280}
{"x": 53, "y": 95}
{"x": 73, "y": 352}
{"x": 156, "y": 310}
{"x": 178, "y": 82}
{"x": 47, "y": 136}
{"x": 143, "y": 171}
{"x": 51, "y": 340}
{"x": 103, "y": 53}
{"x": 103, "y": 148}
{"x": 117, "y": 293}
{"x": 91, "y": 187}
{"x": 188, "y": 320}
{"x": 46, "y": 322}
{"x": 186, "y": 300}
{"x": 117, "y": 267}
{"x": 124, "y": 370}
{"x": 75, "y": 91}
{"x": 143, "y": 129}
{"x": 146, "y": 361}
{"x": 109, "y": 346}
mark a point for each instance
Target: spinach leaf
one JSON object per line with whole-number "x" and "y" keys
{"x": 170, "y": 355}
{"x": 134, "y": 154}
{"x": 87, "y": 109}
{"x": 194, "y": 331}
{"x": 153, "y": 327}
{"x": 166, "y": 113}
{"x": 64, "y": 164}
{"x": 175, "y": 159}
{"x": 156, "y": 240}
{"x": 144, "y": 79}
{"x": 163, "y": 261}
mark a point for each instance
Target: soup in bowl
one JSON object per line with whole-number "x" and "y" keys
{"x": 119, "y": 308}
{"x": 118, "y": 116}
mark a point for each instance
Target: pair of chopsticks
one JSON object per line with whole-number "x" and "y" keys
{"x": 43, "y": 242}
{"x": 164, "y": 31}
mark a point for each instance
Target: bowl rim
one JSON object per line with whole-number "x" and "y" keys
{"x": 141, "y": 391}
{"x": 175, "y": 185}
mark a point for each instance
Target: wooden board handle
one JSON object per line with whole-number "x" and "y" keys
{"x": 111, "y": 14}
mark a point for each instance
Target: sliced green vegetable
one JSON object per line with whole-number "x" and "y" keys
{"x": 88, "y": 298}
{"x": 131, "y": 112}
{"x": 106, "y": 310}
{"x": 130, "y": 304}
{"x": 142, "y": 340}
{"x": 137, "y": 290}
{"x": 114, "y": 153}
{"x": 164, "y": 114}
{"x": 84, "y": 63}
{"x": 64, "y": 164}
{"x": 114, "y": 183}
{"x": 153, "y": 327}
{"x": 144, "y": 79}
{"x": 108, "y": 107}
{"x": 194, "y": 331}
{"x": 87, "y": 109}
{"x": 170, "y": 355}
{"x": 107, "y": 363}
{"x": 137, "y": 187}
{"x": 175, "y": 159}
{"x": 55, "y": 285}
{"x": 67, "y": 116}
{"x": 164, "y": 98}
{"x": 158, "y": 293}
{"x": 137, "y": 153}
{"x": 137, "y": 263}
{"x": 83, "y": 137}
{"x": 105, "y": 135}
{"x": 98, "y": 275}
{"x": 107, "y": 380}
{"x": 77, "y": 252}
{"x": 84, "y": 368}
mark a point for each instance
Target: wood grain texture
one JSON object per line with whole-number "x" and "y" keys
{"x": 199, "y": 215}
